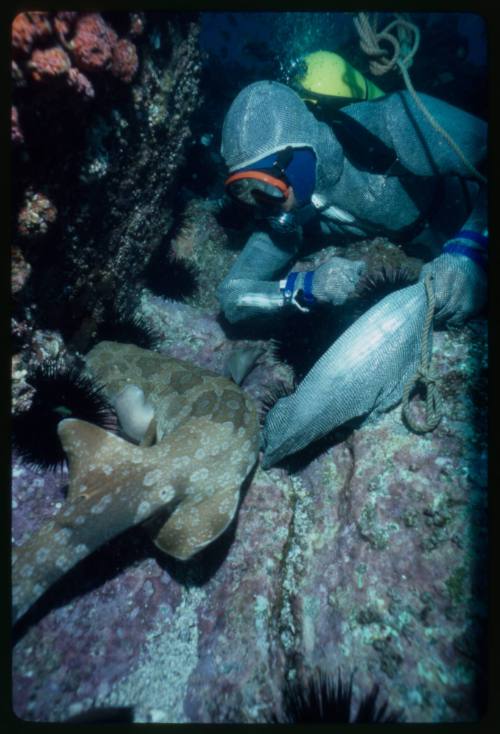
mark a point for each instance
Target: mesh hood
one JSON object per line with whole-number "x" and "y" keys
{"x": 266, "y": 117}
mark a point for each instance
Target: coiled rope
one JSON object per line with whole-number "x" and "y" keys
{"x": 433, "y": 402}
{"x": 380, "y": 64}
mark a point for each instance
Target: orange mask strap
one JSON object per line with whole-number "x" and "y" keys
{"x": 259, "y": 176}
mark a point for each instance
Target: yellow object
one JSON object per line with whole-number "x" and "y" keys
{"x": 328, "y": 74}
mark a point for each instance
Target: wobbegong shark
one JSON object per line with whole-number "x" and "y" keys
{"x": 199, "y": 435}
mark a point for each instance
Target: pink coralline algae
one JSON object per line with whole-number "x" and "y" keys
{"x": 53, "y": 117}
{"x": 66, "y": 46}
{"x": 27, "y": 29}
{"x": 136, "y": 24}
{"x": 80, "y": 83}
{"x": 48, "y": 63}
{"x": 124, "y": 62}
{"x": 20, "y": 270}
{"x": 63, "y": 23}
{"x": 16, "y": 74}
{"x": 16, "y": 134}
{"x": 92, "y": 45}
{"x": 36, "y": 215}
{"x": 63, "y": 49}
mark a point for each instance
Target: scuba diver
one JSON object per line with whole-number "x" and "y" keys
{"x": 380, "y": 169}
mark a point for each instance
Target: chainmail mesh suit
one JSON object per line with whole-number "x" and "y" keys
{"x": 425, "y": 195}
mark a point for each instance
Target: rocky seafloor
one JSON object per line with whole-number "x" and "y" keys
{"x": 371, "y": 558}
{"x": 368, "y": 556}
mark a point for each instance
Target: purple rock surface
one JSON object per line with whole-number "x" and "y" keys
{"x": 369, "y": 558}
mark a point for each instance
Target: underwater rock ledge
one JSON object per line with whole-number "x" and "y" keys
{"x": 371, "y": 558}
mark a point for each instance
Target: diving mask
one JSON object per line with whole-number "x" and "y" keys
{"x": 257, "y": 187}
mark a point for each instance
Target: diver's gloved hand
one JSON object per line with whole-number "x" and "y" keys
{"x": 460, "y": 287}
{"x": 332, "y": 282}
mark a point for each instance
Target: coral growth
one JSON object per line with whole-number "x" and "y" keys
{"x": 16, "y": 134}
{"x": 46, "y": 63}
{"x": 37, "y": 214}
{"x": 80, "y": 83}
{"x": 68, "y": 45}
{"x": 63, "y": 23}
{"x": 124, "y": 62}
{"x": 137, "y": 23}
{"x": 17, "y": 75}
{"x": 32, "y": 348}
{"x": 20, "y": 271}
{"x": 28, "y": 29}
{"x": 92, "y": 44}
{"x": 110, "y": 222}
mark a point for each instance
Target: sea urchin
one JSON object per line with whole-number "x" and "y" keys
{"x": 322, "y": 700}
{"x": 60, "y": 392}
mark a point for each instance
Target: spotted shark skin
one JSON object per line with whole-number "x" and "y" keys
{"x": 207, "y": 443}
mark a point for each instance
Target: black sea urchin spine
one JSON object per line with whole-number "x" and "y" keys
{"x": 322, "y": 700}
{"x": 60, "y": 392}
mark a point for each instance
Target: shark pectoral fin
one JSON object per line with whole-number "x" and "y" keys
{"x": 197, "y": 522}
{"x": 149, "y": 437}
{"x": 241, "y": 362}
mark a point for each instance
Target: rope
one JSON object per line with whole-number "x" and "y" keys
{"x": 381, "y": 64}
{"x": 369, "y": 42}
{"x": 423, "y": 374}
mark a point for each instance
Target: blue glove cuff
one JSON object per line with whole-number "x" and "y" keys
{"x": 307, "y": 288}
{"x": 288, "y": 288}
{"x": 479, "y": 238}
{"x": 477, "y": 250}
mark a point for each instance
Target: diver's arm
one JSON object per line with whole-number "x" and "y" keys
{"x": 400, "y": 123}
{"x": 460, "y": 272}
{"x": 252, "y": 286}
{"x": 423, "y": 150}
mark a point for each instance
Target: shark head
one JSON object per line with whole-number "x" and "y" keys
{"x": 192, "y": 475}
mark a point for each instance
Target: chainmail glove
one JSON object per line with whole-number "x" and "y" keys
{"x": 335, "y": 280}
{"x": 460, "y": 287}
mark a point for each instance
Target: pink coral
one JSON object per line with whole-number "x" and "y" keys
{"x": 63, "y": 23}
{"x": 93, "y": 43}
{"x": 137, "y": 23}
{"x": 16, "y": 134}
{"x": 66, "y": 46}
{"x": 28, "y": 28}
{"x": 125, "y": 61}
{"x": 80, "y": 83}
{"x": 36, "y": 215}
{"x": 20, "y": 270}
{"x": 17, "y": 75}
{"x": 47, "y": 63}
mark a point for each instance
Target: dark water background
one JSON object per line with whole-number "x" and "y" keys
{"x": 451, "y": 61}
